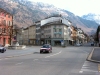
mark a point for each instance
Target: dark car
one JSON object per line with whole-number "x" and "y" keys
{"x": 46, "y": 48}
{"x": 2, "y": 49}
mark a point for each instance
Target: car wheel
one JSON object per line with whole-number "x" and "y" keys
{"x": 40, "y": 52}
{"x": 2, "y": 51}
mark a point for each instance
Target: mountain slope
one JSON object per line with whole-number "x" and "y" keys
{"x": 26, "y": 12}
{"x": 92, "y": 17}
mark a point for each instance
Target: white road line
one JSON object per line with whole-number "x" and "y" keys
{"x": 80, "y": 71}
{"x": 5, "y": 58}
{"x": 35, "y": 59}
{"x": 53, "y": 54}
{"x": 87, "y": 68}
{"x": 19, "y": 63}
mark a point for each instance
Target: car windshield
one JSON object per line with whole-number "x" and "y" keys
{"x": 45, "y": 46}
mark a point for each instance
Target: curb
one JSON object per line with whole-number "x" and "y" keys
{"x": 89, "y": 57}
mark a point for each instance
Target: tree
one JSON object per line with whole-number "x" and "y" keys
{"x": 97, "y": 34}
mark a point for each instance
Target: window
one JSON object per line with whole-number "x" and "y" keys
{"x": 4, "y": 22}
{"x": 54, "y": 25}
{"x": 8, "y": 16}
{"x": 0, "y": 30}
{"x": 55, "y": 30}
{"x": 60, "y": 30}
{"x": 7, "y": 22}
{"x": 10, "y": 23}
{"x": 59, "y": 35}
{"x": 55, "y": 35}
{"x": 5, "y": 15}
{"x": 3, "y": 30}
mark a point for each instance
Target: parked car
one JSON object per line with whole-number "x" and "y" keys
{"x": 46, "y": 48}
{"x": 79, "y": 44}
{"x": 2, "y": 49}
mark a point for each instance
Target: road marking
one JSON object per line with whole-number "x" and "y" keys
{"x": 90, "y": 55}
{"x": 87, "y": 68}
{"x": 53, "y": 54}
{"x": 35, "y": 59}
{"x": 80, "y": 71}
{"x": 19, "y": 63}
{"x": 99, "y": 67}
{"x": 8, "y": 57}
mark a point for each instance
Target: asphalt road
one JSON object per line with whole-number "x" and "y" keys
{"x": 62, "y": 61}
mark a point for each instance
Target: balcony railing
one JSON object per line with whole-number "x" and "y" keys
{"x": 57, "y": 32}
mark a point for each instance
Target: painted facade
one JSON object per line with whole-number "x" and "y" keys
{"x": 6, "y": 24}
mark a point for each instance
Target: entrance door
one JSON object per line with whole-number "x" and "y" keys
{"x": 4, "y": 41}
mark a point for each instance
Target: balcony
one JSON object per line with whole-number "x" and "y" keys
{"x": 57, "y": 32}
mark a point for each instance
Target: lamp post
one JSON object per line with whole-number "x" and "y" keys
{"x": 28, "y": 35}
{"x": 22, "y": 30}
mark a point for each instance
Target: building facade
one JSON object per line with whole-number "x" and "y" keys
{"x": 6, "y": 27}
{"x": 38, "y": 32}
{"x": 27, "y": 36}
{"x": 55, "y": 31}
{"x": 80, "y": 36}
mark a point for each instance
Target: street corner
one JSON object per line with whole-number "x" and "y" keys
{"x": 94, "y": 55}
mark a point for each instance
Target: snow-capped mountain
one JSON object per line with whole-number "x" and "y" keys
{"x": 92, "y": 17}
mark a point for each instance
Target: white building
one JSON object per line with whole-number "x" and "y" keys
{"x": 54, "y": 30}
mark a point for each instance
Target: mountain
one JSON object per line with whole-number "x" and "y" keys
{"x": 25, "y": 13}
{"x": 92, "y": 17}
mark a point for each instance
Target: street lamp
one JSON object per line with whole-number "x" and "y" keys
{"x": 28, "y": 35}
{"x": 22, "y": 30}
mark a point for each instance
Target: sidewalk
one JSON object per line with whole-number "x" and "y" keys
{"x": 94, "y": 55}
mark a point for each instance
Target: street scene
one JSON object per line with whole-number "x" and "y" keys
{"x": 41, "y": 39}
{"x": 69, "y": 60}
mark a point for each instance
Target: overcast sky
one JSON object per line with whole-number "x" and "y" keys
{"x": 78, "y": 7}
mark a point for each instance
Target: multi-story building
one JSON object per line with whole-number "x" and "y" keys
{"x": 27, "y": 36}
{"x": 55, "y": 31}
{"x": 6, "y": 27}
{"x": 73, "y": 35}
{"x": 80, "y": 36}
